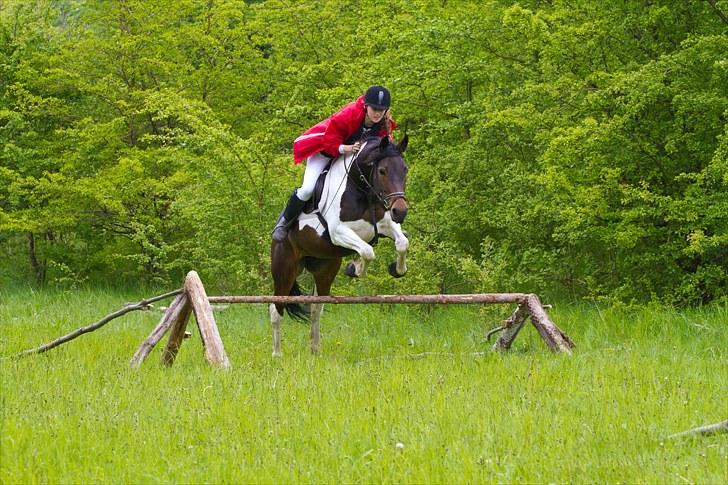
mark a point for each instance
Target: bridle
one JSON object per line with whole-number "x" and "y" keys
{"x": 387, "y": 200}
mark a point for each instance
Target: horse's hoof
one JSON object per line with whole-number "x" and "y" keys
{"x": 350, "y": 270}
{"x": 393, "y": 270}
{"x": 277, "y": 354}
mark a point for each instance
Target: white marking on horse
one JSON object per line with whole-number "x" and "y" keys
{"x": 312, "y": 221}
{"x": 353, "y": 234}
{"x": 275, "y": 319}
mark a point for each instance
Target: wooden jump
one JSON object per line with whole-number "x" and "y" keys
{"x": 194, "y": 300}
{"x": 384, "y": 299}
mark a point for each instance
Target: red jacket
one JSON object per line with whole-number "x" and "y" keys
{"x": 327, "y": 135}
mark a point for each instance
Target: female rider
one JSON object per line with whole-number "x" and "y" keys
{"x": 337, "y": 135}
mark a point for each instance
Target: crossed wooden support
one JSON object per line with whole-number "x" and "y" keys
{"x": 194, "y": 299}
{"x": 531, "y": 306}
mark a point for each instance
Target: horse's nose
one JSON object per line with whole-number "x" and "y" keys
{"x": 398, "y": 214}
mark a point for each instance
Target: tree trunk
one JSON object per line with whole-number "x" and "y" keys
{"x": 39, "y": 270}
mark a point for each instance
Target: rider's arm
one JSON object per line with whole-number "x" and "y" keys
{"x": 340, "y": 127}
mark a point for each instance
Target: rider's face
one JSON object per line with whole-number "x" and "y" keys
{"x": 375, "y": 115}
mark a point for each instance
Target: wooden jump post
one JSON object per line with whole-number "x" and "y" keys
{"x": 194, "y": 300}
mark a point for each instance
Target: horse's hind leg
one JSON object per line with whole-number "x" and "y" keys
{"x": 324, "y": 277}
{"x": 275, "y": 320}
{"x": 316, "y": 311}
{"x": 284, "y": 269}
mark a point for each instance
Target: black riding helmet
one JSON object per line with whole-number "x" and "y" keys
{"x": 377, "y": 97}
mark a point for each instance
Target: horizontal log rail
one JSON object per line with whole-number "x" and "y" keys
{"x": 384, "y": 299}
{"x": 528, "y": 305}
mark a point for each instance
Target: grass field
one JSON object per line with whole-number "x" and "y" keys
{"x": 397, "y": 395}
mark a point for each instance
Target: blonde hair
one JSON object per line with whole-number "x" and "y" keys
{"x": 387, "y": 123}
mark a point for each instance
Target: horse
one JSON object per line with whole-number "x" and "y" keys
{"x": 359, "y": 198}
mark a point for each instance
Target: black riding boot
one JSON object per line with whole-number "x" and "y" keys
{"x": 288, "y": 217}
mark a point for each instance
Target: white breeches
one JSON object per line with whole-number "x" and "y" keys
{"x": 315, "y": 164}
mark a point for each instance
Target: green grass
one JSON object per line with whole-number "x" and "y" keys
{"x": 79, "y": 414}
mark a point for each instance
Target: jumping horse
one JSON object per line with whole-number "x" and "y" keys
{"x": 359, "y": 198}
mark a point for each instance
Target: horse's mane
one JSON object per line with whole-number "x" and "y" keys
{"x": 391, "y": 149}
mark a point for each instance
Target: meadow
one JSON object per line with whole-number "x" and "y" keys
{"x": 399, "y": 394}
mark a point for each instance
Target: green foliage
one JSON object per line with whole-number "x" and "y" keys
{"x": 565, "y": 149}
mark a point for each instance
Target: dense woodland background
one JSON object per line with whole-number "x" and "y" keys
{"x": 572, "y": 148}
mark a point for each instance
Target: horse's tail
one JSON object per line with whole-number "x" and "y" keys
{"x": 298, "y": 311}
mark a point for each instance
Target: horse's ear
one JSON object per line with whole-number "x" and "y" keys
{"x": 402, "y": 145}
{"x": 383, "y": 143}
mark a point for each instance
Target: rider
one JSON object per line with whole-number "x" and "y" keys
{"x": 337, "y": 135}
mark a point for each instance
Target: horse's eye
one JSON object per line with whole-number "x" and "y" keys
{"x": 382, "y": 171}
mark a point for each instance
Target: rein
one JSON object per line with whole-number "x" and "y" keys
{"x": 372, "y": 193}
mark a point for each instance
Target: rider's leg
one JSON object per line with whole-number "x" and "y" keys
{"x": 288, "y": 216}
{"x": 314, "y": 166}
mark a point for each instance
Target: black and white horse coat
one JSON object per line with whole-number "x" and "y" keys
{"x": 362, "y": 197}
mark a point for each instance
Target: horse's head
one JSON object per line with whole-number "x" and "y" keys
{"x": 382, "y": 164}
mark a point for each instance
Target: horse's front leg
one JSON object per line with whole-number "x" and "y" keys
{"x": 345, "y": 237}
{"x": 356, "y": 267}
{"x": 394, "y": 231}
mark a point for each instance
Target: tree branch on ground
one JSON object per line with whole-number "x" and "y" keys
{"x": 140, "y": 305}
{"x": 716, "y": 428}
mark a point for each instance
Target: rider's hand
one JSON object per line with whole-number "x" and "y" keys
{"x": 349, "y": 149}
